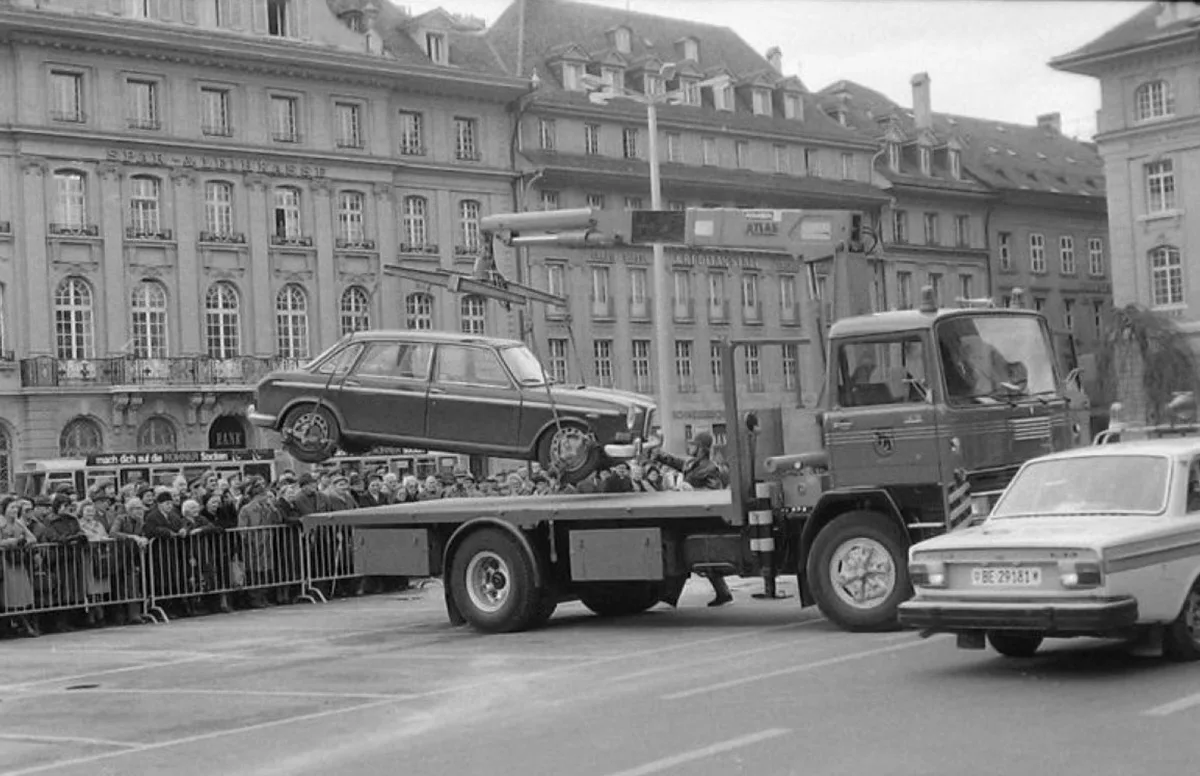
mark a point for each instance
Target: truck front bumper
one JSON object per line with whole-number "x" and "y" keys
{"x": 1049, "y": 617}
{"x": 260, "y": 419}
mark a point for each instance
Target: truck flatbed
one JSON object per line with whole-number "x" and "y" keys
{"x": 527, "y": 511}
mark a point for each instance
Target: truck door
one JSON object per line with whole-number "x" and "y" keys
{"x": 882, "y": 425}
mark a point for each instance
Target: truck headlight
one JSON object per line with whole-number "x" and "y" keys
{"x": 1080, "y": 575}
{"x": 927, "y": 573}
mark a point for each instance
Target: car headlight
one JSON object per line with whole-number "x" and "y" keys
{"x": 1080, "y": 574}
{"x": 927, "y": 573}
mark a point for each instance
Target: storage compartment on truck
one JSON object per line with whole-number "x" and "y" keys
{"x": 616, "y": 554}
{"x": 404, "y": 552}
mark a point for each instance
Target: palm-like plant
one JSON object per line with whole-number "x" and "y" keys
{"x": 1145, "y": 361}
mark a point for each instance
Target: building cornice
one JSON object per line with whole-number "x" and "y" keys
{"x": 938, "y": 251}
{"x": 233, "y": 51}
{"x": 933, "y": 189}
{"x": 1094, "y": 63}
{"x": 1149, "y": 129}
{"x": 1052, "y": 201}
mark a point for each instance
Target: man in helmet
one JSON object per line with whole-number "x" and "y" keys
{"x": 700, "y": 472}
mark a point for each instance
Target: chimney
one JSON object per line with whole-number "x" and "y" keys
{"x": 1050, "y": 121}
{"x": 922, "y": 111}
{"x": 775, "y": 57}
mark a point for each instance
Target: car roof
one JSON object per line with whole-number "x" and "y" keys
{"x": 439, "y": 337}
{"x": 894, "y": 321}
{"x": 1175, "y": 447}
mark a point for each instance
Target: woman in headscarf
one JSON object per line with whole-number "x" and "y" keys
{"x": 16, "y": 589}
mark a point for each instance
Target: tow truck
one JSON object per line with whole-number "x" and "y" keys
{"x": 924, "y": 417}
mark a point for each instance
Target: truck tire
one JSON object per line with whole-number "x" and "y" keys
{"x": 1181, "y": 638}
{"x": 310, "y": 433}
{"x": 858, "y": 571}
{"x": 618, "y": 599}
{"x": 1015, "y": 643}
{"x": 492, "y": 581}
{"x": 556, "y": 440}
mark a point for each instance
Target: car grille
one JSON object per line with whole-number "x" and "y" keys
{"x": 1026, "y": 429}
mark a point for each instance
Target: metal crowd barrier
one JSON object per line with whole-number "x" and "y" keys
{"x": 50, "y": 578}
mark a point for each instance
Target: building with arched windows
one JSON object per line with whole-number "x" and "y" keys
{"x": 193, "y": 193}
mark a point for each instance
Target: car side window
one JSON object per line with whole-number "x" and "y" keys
{"x": 382, "y": 360}
{"x": 339, "y": 363}
{"x": 414, "y": 360}
{"x": 1193, "y": 487}
{"x": 470, "y": 366}
{"x": 873, "y": 373}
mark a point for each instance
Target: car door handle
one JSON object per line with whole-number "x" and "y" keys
{"x": 842, "y": 425}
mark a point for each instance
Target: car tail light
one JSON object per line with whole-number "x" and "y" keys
{"x": 927, "y": 574}
{"x": 1080, "y": 574}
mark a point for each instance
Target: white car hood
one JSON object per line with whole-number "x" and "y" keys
{"x": 1073, "y": 531}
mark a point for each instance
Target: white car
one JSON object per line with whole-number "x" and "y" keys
{"x": 1095, "y": 541}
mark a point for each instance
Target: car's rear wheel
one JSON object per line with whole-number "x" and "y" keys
{"x": 1015, "y": 643}
{"x": 310, "y": 433}
{"x": 492, "y": 582}
{"x": 570, "y": 450}
{"x": 1181, "y": 639}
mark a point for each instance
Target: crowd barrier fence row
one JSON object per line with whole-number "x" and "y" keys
{"x": 82, "y": 575}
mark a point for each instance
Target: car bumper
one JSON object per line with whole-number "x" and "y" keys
{"x": 1050, "y": 617}
{"x": 260, "y": 419}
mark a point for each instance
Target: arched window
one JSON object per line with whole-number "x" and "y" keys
{"x": 474, "y": 315}
{"x": 82, "y": 437}
{"x": 70, "y": 201}
{"x": 1153, "y": 100}
{"x": 1166, "y": 276}
{"x": 468, "y": 221}
{"x": 419, "y": 307}
{"x": 74, "y": 333}
{"x": 157, "y": 435}
{"x": 144, "y": 208}
{"x": 291, "y": 322}
{"x": 148, "y": 319}
{"x": 5, "y": 461}
{"x": 218, "y": 209}
{"x": 350, "y": 218}
{"x": 222, "y": 321}
{"x": 287, "y": 214}
{"x": 416, "y": 225}
{"x": 356, "y": 310}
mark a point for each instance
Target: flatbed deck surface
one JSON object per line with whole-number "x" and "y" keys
{"x": 528, "y": 510}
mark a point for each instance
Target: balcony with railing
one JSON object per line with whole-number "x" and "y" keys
{"x": 354, "y": 244}
{"x": 285, "y": 136}
{"x": 184, "y": 372}
{"x": 429, "y": 249}
{"x": 467, "y": 250}
{"x": 223, "y": 238}
{"x": 292, "y": 240}
{"x": 73, "y": 230}
{"x": 144, "y": 123}
{"x": 148, "y": 233}
{"x": 412, "y": 149}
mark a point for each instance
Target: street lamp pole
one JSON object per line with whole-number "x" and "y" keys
{"x": 664, "y": 344}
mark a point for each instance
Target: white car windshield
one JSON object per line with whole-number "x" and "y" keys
{"x": 1099, "y": 484}
{"x": 524, "y": 365}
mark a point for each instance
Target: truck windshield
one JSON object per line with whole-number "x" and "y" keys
{"x": 994, "y": 358}
{"x": 1097, "y": 484}
{"x": 524, "y": 365}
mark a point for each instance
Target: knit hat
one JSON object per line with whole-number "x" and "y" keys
{"x": 163, "y": 496}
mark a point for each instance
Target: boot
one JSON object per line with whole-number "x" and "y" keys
{"x": 723, "y": 596}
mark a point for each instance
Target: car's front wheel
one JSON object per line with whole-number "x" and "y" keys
{"x": 310, "y": 433}
{"x": 1181, "y": 638}
{"x": 1015, "y": 644}
{"x": 570, "y": 450}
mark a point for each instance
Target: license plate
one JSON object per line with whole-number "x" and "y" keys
{"x": 1006, "y": 577}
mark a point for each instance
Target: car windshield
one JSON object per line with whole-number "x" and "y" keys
{"x": 1094, "y": 484}
{"x": 524, "y": 365}
{"x": 987, "y": 359}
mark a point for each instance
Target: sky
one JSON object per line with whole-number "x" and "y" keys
{"x": 985, "y": 58}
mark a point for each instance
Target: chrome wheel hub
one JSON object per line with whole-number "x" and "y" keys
{"x": 862, "y": 572}
{"x": 1191, "y": 616}
{"x": 569, "y": 448}
{"x": 310, "y": 430}
{"x": 488, "y": 581}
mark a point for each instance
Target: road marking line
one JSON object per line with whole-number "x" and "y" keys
{"x": 347, "y": 696}
{"x": 792, "y": 670}
{"x": 1182, "y": 704}
{"x": 657, "y": 766}
{"x": 38, "y": 739}
{"x": 104, "y": 672}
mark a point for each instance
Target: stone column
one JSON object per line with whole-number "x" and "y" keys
{"x": 187, "y": 270}
{"x": 117, "y": 283}
{"x": 389, "y": 298}
{"x": 258, "y": 323}
{"x": 32, "y": 301}
{"x": 326, "y": 286}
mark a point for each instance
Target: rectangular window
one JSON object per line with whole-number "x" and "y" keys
{"x": 791, "y": 366}
{"x": 966, "y": 287}
{"x": 935, "y": 283}
{"x": 718, "y": 301}
{"x": 691, "y": 91}
{"x": 1004, "y": 239}
{"x": 789, "y": 302}
{"x": 465, "y": 137}
{"x": 641, "y": 366}
{"x": 639, "y": 297}
{"x": 142, "y": 104}
{"x": 674, "y": 147}
{"x": 66, "y": 94}
{"x": 962, "y": 231}
{"x": 900, "y": 226}
{"x": 557, "y": 350}
{"x": 435, "y": 47}
{"x": 1098, "y": 318}
{"x": 812, "y": 163}
{"x": 792, "y": 108}
{"x": 723, "y": 97}
{"x": 1160, "y": 186}
{"x": 602, "y": 357}
{"x": 548, "y": 134}
{"x": 1096, "y": 257}
{"x": 715, "y": 366}
{"x": 468, "y": 223}
{"x": 761, "y": 99}
{"x": 653, "y": 85}
{"x": 955, "y": 163}
{"x": 601, "y": 297}
{"x": 709, "y": 147}
{"x": 214, "y": 112}
{"x": 633, "y": 203}
{"x": 144, "y": 207}
{"x": 783, "y": 161}
{"x": 931, "y": 229}
{"x": 556, "y": 279}
{"x": 741, "y": 153}
{"x": 1069, "y": 315}
{"x": 280, "y": 23}
{"x": 349, "y": 124}
{"x": 847, "y": 167}
{"x": 676, "y": 204}
{"x": 285, "y": 119}
{"x": 751, "y": 306}
{"x": 754, "y": 380}
{"x": 1166, "y": 277}
{"x": 1037, "y": 253}
{"x": 904, "y": 290}
{"x": 572, "y": 73}
{"x": 1154, "y": 100}
{"x": 218, "y": 209}
{"x": 70, "y": 202}
{"x": 549, "y": 199}
{"x": 683, "y": 366}
{"x": 591, "y": 139}
{"x": 684, "y": 310}
{"x": 595, "y": 201}
{"x": 1039, "y": 304}
{"x": 287, "y": 214}
{"x": 613, "y": 78}
{"x": 1066, "y": 254}
{"x": 629, "y": 143}
{"x": 411, "y": 134}
{"x": 350, "y": 218}
{"x": 925, "y": 156}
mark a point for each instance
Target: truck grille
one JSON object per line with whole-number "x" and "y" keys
{"x": 1026, "y": 429}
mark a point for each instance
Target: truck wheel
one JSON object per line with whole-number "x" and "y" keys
{"x": 571, "y": 451}
{"x": 310, "y": 433}
{"x": 1181, "y": 639}
{"x": 491, "y": 579}
{"x": 618, "y": 599}
{"x": 859, "y": 573}
{"x": 1015, "y": 643}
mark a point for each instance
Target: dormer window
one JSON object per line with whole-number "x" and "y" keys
{"x": 621, "y": 39}
{"x": 690, "y": 89}
{"x": 572, "y": 76}
{"x": 955, "y": 163}
{"x": 435, "y": 47}
{"x": 652, "y": 84}
{"x": 354, "y": 20}
{"x": 613, "y": 78}
{"x": 793, "y": 107}
{"x": 723, "y": 97}
{"x": 839, "y": 116}
{"x": 279, "y": 18}
{"x": 761, "y": 100}
{"x": 926, "y": 156}
{"x": 893, "y": 153}
{"x": 691, "y": 49}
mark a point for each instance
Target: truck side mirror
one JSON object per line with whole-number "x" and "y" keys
{"x": 752, "y": 421}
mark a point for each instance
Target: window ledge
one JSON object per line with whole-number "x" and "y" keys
{"x": 1162, "y": 215}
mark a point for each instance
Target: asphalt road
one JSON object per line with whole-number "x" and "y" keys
{"x": 382, "y": 685}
